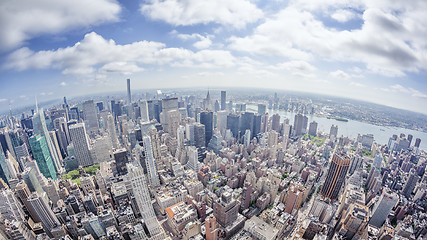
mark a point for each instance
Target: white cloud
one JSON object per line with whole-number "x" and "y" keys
{"x": 25, "y": 19}
{"x": 296, "y": 65}
{"x": 63, "y": 84}
{"x": 94, "y": 54}
{"x": 342, "y": 15}
{"x": 236, "y": 13}
{"x": 405, "y": 90}
{"x": 3, "y": 100}
{"x": 340, "y": 74}
{"x": 356, "y": 84}
{"x": 387, "y": 43}
{"x": 204, "y": 41}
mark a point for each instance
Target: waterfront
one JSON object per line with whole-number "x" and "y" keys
{"x": 352, "y": 127}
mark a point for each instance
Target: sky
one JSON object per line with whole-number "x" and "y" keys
{"x": 374, "y": 51}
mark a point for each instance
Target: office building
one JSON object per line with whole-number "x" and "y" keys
{"x": 39, "y": 123}
{"x": 410, "y": 184}
{"x": 336, "y": 175}
{"x": 40, "y": 150}
{"x": 300, "y": 125}
{"x": 312, "y": 129}
{"x": 81, "y": 145}
{"x": 333, "y": 133}
{"x": 150, "y": 162}
{"x": 275, "y": 122}
{"x": 233, "y": 124}
{"x": 354, "y": 221}
{"x": 206, "y": 118}
{"x": 381, "y": 210}
{"x": 223, "y": 100}
{"x": 43, "y": 213}
{"x": 262, "y": 109}
{"x": 143, "y": 200}
{"x": 211, "y": 228}
{"x": 90, "y": 115}
{"x": 225, "y": 209}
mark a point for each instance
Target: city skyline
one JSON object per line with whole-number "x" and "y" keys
{"x": 368, "y": 51}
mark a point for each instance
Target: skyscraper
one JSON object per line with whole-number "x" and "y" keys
{"x": 225, "y": 209}
{"x": 383, "y": 207}
{"x": 312, "y": 129}
{"x": 129, "y": 95}
{"x": 152, "y": 175}
{"x": 39, "y": 124}
{"x": 233, "y": 124}
{"x": 410, "y": 184}
{"x": 43, "y": 213}
{"x": 211, "y": 229}
{"x": 261, "y": 109}
{"x": 81, "y": 145}
{"x": 42, "y": 156}
{"x": 143, "y": 200}
{"x": 333, "y": 133}
{"x": 275, "y": 122}
{"x": 206, "y": 118}
{"x": 300, "y": 124}
{"x": 417, "y": 142}
{"x": 90, "y": 115}
{"x": 223, "y": 100}
{"x": 336, "y": 175}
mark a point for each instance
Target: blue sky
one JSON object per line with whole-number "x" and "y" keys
{"x": 369, "y": 50}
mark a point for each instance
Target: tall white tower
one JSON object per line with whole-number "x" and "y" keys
{"x": 153, "y": 178}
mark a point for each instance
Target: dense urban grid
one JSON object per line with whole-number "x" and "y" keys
{"x": 166, "y": 166}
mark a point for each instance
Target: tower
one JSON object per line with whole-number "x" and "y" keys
{"x": 383, "y": 207}
{"x": 80, "y": 143}
{"x": 143, "y": 200}
{"x": 40, "y": 150}
{"x": 153, "y": 178}
{"x": 43, "y": 213}
{"x": 312, "y": 129}
{"x": 128, "y": 87}
{"x": 223, "y": 100}
{"x": 336, "y": 175}
{"x": 211, "y": 230}
{"x": 90, "y": 115}
{"x": 39, "y": 126}
{"x": 206, "y": 118}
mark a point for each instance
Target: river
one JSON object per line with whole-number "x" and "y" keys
{"x": 351, "y": 128}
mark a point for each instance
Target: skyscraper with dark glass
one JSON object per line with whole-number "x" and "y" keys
{"x": 42, "y": 156}
{"x": 336, "y": 175}
{"x": 206, "y": 118}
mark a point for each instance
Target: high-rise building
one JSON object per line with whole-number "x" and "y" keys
{"x": 300, "y": 124}
{"x": 333, "y": 133}
{"x": 206, "y": 118}
{"x": 294, "y": 199}
{"x": 246, "y": 122}
{"x": 121, "y": 159}
{"x": 112, "y": 131}
{"x": 312, "y": 129}
{"x": 143, "y": 200}
{"x": 262, "y": 109}
{"x": 150, "y": 163}
{"x": 40, "y": 150}
{"x": 43, "y": 213}
{"x": 354, "y": 221}
{"x": 90, "y": 116}
{"x": 40, "y": 127}
{"x": 4, "y": 171}
{"x": 275, "y": 122}
{"x": 225, "y": 209}
{"x": 336, "y": 175}
{"x": 233, "y": 124}
{"x": 386, "y": 202}
{"x": 128, "y": 88}
{"x": 10, "y": 208}
{"x": 192, "y": 162}
{"x": 211, "y": 229}
{"x": 81, "y": 145}
{"x": 199, "y": 135}
{"x": 410, "y": 184}
{"x": 417, "y": 142}
{"x": 223, "y": 100}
